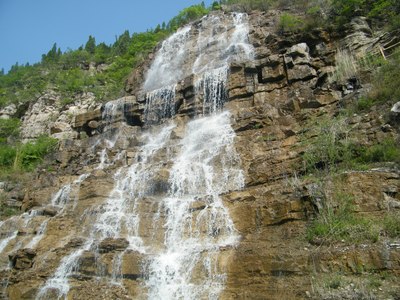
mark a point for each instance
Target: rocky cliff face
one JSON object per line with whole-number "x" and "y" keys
{"x": 189, "y": 186}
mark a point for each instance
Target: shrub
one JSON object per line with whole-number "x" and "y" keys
{"x": 346, "y": 67}
{"x": 7, "y": 155}
{"x": 386, "y": 151}
{"x": 329, "y": 147}
{"x": 391, "y": 225}
{"x": 249, "y": 5}
{"x": 30, "y": 154}
{"x": 26, "y": 156}
{"x": 290, "y": 23}
{"x": 9, "y": 128}
{"x": 386, "y": 81}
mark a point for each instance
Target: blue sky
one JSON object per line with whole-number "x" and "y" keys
{"x": 29, "y": 28}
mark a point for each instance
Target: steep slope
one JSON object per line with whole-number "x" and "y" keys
{"x": 198, "y": 184}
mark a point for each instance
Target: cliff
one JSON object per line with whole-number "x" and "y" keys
{"x": 238, "y": 169}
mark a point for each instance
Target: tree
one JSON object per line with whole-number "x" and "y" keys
{"x": 53, "y": 55}
{"x": 121, "y": 45}
{"x": 90, "y": 45}
{"x": 216, "y": 6}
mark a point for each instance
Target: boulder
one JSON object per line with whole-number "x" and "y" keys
{"x": 22, "y": 259}
{"x": 113, "y": 244}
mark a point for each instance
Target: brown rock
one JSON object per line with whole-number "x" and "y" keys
{"x": 22, "y": 259}
{"x": 111, "y": 244}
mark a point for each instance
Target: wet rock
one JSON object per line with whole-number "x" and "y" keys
{"x": 82, "y": 119}
{"x": 22, "y": 259}
{"x": 111, "y": 244}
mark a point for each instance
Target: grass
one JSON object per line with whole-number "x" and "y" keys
{"x": 337, "y": 221}
{"x": 338, "y": 286}
{"x": 391, "y": 225}
{"x": 347, "y": 67}
{"x": 331, "y": 147}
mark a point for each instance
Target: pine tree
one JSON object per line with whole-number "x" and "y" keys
{"x": 90, "y": 45}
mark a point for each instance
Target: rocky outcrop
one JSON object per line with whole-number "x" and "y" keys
{"x": 50, "y": 116}
{"x": 22, "y": 259}
{"x": 272, "y": 100}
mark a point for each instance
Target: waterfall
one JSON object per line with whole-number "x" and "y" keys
{"x": 165, "y": 203}
{"x": 197, "y": 225}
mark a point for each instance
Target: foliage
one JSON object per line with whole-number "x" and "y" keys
{"x": 26, "y": 156}
{"x": 248, "y": 5}
{"x": 337, "y": 285}
{"x": 336, "y": 221}
{"x": 290, "y": 23}
{"x": 7, "y": 155}
{"x": 391, "y": 225}
{"x": 90, "y": 45}
{"x": 386, "y": 151}
{"x": 346, "y": 67}
{"x": 386, "y": 82}
{"x": 9, "y": 128}
{"x": 330, "y": 146}
{"x": 342, "y": 11}
{"x": 187, "y": 15}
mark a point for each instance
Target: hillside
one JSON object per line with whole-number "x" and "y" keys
{"x": 249, "y": 150}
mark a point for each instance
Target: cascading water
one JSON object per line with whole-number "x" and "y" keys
{"x": 171, "y": 185}
{"x": 196, "y": 223}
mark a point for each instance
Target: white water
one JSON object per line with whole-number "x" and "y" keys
{"x": 39, "y": 235}
{"x": 4, "y": 242}
{"x": 160, "y": 104}
{"x": 206, "y": 166}
{"x": 58, "y": 285}
{"x": 118, "y": 216}
{"x": 216, "y": 42}
{"x": 190, "y": 218}
{"x": 167, "y": 66}
{"x": 120, "y": 209}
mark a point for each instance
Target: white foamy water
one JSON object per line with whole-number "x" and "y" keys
{"x": 58, "y": 285}
{"x": 39, "y": 235}
{"x": 192, "y": 230}
{"x": 206, "y": 167}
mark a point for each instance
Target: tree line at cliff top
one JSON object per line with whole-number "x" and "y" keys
{"x": 102, "y": 69}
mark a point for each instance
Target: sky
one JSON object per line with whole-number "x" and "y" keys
{"x": 29, "y": 28}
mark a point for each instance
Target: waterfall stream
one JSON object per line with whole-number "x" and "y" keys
{"x": 173, "y": 183}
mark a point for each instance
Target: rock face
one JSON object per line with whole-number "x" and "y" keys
{"x": 165, "y": 185}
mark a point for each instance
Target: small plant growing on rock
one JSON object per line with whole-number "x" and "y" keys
{"x": 337, "y": 221}
{"x": 290, "y": 23}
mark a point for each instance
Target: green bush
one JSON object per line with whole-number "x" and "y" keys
{"x": 26, "y": 156}
{"x": 9, "y": 128}
{"x": 386, "y": 81}
{"x": 187, "y": 15}
{"x": 7, "y": 155}
{"x": 249, "y": 5}
{"x": 30, "y": 154}
{"x": 329, "y": 146}
{"x": 391, "y": 225}
{"x": 290, "y": 23}
{"x": 386, "y": 151}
